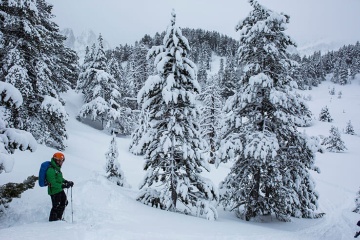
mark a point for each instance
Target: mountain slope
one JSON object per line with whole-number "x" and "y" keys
{"x": 102, "y": 210}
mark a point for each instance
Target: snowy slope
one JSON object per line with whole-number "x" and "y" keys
{"x": 102, "y": 210}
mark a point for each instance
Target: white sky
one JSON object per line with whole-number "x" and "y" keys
{"x": 125, "y": 21}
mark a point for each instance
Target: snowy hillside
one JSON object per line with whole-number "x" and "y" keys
{"x": 78, "y": 43}
{"x": 324, "y": 46}
{"x": 102, "y": 210}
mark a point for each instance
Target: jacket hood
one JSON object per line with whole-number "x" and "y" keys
{"x": 54, "y": 165}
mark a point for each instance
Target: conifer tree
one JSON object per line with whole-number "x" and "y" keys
{"x": 229, "y": 79}
{"x": 334, "y": 143}
{"x": 174, "y": 159}
{"x": 349, "y": 128}
{"x": 221, "y": 69}
{"x": 272, "y": 160}
{"x": 332, "y": 91}
{"x": 339, "y": 94}
{"x": 343, "y": 73}
{"x": 102, "y": 96}
{"x": 112, "y": 167}
{"x": 11, "y": 139}
{"x": 139, "y": 140}
{"x": 211, "y": 115}
{"x": 325, "y": 115}
{"x": 137, "y": 71}
{"x": 202, "y": 74}
{"x": 357, "y": 202}
{"x": 35, "y": 61}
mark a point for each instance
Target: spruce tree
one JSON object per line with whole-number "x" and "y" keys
{"x": 112, "y": 167}
{"x": 349, "y": 128}
{"x": 174, "y": 159}
{"x": 211, "y": 115}
{"x": 357, "y": 202}
{"x": 272, "y": 160}
{"x": 11, "y": 139}
{"x": 140, "y": 67}
{"x": 343, "y": 73}
{"x": 202, "y": 74}
{"x": 332, "y": 91}
{"x": 102, "y": 97}
{"x": 325, "y": 115}
{"x": 35, "y": 60}
{"x": 339, "y": 94}
{"x": 229, "y": 78}
{"x": 139, "y": 140}
{"x": 334, "y": 143}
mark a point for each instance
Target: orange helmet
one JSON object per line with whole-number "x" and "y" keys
{"x": 59, "y": 156}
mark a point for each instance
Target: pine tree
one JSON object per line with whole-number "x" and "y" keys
{"x": 202, "y": 74}
{"x": 10, "y": 140}
{"x": 325, "y": 115}
{"x": 332, "y": 91}
{"x": 229, "y": 79}
{"x": 139, "y": 141}
{"x": 138, "y": 70}
{"x": 102, "y": 96}
{"x": 35, "y": 60}
{"x": 334, "y": 143}
{"x": 272, "y": 160}
{"x": 343, "y": 73}
{"x": 211, "y": 115}
{"x": 357, "y": 202}
{"x": 112, "y": 167}
{"x": 349, "y": 128}
{"x": 174, "y": 158}
{"x": 339, "y": 94}
{"x": 221, "y": 69}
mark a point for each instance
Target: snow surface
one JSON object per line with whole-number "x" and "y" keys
{"x": 103, "y": 210}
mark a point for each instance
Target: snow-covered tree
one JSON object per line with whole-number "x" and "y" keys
{"x": 272, "y": 160}
{"x": 174, "y": 159}
{"x": 10, "y": 140}
{"x": 35, "y": 60}
{"x": 341, "y": 72}
{"x": 139, "y": 140}
{"x": 139, "y": 67}
{"x": 112, "y": 167}
{"x": 325, "y": 115}
{"x": 211, "y": 115}
{"x": 334, "y": 143}
{"x": 339, "y": 94}
{"x": 202, "y": 74}
{"x": 102, "y": 96}
{"x": 357, "y": 202}
{"x": 349, "y": 128}
{"x": 229, "y": 78}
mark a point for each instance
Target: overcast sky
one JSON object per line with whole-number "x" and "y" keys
{"x": 125, "y": 21}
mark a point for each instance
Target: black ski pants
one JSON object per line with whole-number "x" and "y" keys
{"x": 59, "y": 202}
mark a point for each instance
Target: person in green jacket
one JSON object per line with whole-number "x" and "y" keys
{"x": 56, "y": 186}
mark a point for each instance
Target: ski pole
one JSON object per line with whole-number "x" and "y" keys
{"x": 72, "y": 211}
{"x": 64, "y": 214}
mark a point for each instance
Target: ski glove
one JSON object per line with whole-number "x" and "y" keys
{"x": 67, "y": 184}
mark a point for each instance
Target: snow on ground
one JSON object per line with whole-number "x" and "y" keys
{"x": 102, "y": 210}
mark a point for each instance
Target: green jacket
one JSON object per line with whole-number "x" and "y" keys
{"x": 55, "y": 178}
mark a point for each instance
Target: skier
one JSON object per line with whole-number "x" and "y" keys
{"x": 357, "y": 233}
{"x": 56, "y": 185}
